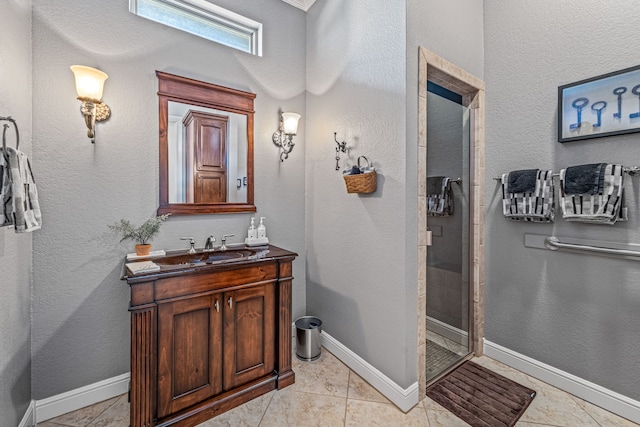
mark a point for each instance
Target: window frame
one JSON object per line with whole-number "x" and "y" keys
{"x": 228, "y": 20}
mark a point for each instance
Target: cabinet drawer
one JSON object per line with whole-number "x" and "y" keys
{"x": 196, "y": 283}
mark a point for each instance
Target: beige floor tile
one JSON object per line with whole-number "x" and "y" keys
{"x": 117, "y": 415}
{"x": 371, "y": 414}
{"x": 555, "y": 407}
{"x": 604, "y": 417}
{"x": 248, "y": 415}
{"x": 327, "y": 376}
{"x": 83, "y": 417}
{"x": 528, "y": 424}
{"x": 49, "y": 424}
{"x": 431, "y": 405}
{"x": 444, "y": 419}
{"x": 292, "y": 408}
{"x": 361, "y": 390}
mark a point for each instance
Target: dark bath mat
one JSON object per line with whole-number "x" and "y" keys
{"x": 481, "y": 397}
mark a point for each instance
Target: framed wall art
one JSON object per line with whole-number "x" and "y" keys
{"x": 600, "y": 106}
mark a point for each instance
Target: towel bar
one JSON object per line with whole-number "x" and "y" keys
{"x": 631, "y": 170}
{"x": 611, "y": 249}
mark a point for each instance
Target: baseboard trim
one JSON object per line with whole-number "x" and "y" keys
{"x": 454, "y": 334}
{"x": 29, "y": 418}
{"x": 63, "y": 403}
{"x": 598, "y": 395}
{"x": 405, "y": 399}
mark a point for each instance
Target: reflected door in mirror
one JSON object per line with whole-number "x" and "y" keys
{"x": 205, "y": 149}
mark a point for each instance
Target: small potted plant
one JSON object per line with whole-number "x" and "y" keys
{"x": 142, "y": 235}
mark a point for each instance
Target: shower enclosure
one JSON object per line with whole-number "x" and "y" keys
{"x": 450, "y": 217}
{"x": 448, "y": 171}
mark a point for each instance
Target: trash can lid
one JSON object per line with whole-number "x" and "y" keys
{"x": 308, "y": 322}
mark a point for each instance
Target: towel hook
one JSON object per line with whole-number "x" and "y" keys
{"x": 342, "y": 146}
{"x": 4, "y": 132}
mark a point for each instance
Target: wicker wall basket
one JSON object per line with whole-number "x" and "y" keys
{"x": 361, "y": 183}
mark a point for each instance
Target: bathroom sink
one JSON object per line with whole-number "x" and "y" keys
{"x": 204, "y": 258}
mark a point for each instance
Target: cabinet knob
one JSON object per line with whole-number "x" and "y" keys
{"x": 217, "y": 306}
{"x": 231, "y": 302}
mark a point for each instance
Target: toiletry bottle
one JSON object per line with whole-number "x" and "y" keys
{"x": 262, "y": 230}
{"x": 252, "y": 233}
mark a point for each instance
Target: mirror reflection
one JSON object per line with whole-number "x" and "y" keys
{"x": 207, "y": 155}
{"x": 206, "y": 147}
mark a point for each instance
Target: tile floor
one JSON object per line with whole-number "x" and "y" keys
{"x": 328, "y": 393}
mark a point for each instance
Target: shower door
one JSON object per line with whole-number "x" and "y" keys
{"x": 448, "y": 220}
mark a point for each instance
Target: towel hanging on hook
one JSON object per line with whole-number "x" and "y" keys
{"x": 18, "y": 193}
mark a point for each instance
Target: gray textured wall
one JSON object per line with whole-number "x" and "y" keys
{"x": 362, "y": 78}
{"x": 578, "y": 313}
{"x": 355, "y": 243}
{"x": 15, "y": 249}
{"x": 80, "y": 320}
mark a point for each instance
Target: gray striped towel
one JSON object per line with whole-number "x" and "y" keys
{"x": 20, "y": 198}
{"x": 604, "y": 207}
{"x": 6, "y": 216}
{"x": 439, "y": 196}
{"x": 535, "y": 206}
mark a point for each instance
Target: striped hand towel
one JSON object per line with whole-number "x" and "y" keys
{"x": 535, "y": 206}
{"x": 25, "y": 210}
{"x": 439, "y": 196}
{"x": 606, "y": 206}
{"x": 6, "y": 215}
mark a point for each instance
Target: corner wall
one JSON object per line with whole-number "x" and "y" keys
{"x": 356, "y": 278}
{"x": 80, "y": 320}
{"x": 575, "y": 312}
{"x": 15, "y": 249}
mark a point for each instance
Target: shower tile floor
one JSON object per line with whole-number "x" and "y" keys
{"x": 328, "y": 393}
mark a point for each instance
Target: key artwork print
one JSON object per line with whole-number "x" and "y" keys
{"x": 600, "y": 106}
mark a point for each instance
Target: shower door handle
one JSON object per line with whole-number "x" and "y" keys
{"x": 429, "y": 237}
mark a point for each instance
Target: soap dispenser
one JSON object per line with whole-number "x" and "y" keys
{"x": 262, "y": 230}
{"x": 252, "y": 233}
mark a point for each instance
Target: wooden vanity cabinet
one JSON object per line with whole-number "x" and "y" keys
{"x": 207, "y": 341}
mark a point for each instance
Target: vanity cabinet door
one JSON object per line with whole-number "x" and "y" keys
{"x": 249, "y": 334}
{"x": 189, "y": 352}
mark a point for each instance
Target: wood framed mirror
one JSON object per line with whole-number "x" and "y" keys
{"x": 206, "y": 147}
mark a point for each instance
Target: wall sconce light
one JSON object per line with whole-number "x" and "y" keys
{"x": 89, "y": 86}
{"x": 283, "y": 137}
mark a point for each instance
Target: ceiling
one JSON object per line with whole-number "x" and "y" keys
{"x": 300, "y": 4}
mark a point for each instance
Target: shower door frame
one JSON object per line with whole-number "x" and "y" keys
{"x": 442, "y": 72}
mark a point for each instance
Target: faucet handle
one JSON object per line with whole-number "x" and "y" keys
{"x": 192, "y": 242}
{"x": 223, "y": 247}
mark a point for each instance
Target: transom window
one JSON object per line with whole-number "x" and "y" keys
{"x": 201, "y": 18}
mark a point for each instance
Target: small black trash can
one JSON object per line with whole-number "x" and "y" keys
{"x": 308, "y": 342}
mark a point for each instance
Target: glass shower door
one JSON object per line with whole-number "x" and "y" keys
{"x": 448, "y": 219}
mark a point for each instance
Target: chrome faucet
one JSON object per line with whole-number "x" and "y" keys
{"x": 223, "y": 247}
{"x": 208, "y": 246}
{"x": 192, "y": 243}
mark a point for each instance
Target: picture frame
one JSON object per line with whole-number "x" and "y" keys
{"x": 600, "y": 106}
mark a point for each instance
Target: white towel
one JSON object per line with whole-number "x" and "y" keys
{"x": 606, "y": 207}
{"x": 537, "y": 206}
{"x": 23, "y": 209}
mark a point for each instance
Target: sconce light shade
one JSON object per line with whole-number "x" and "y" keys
{"x": 89, "y": 86}
{"x": 89, "y": 82}
{"x": 290, "y": 123}
{"x": 283, "y": 137}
